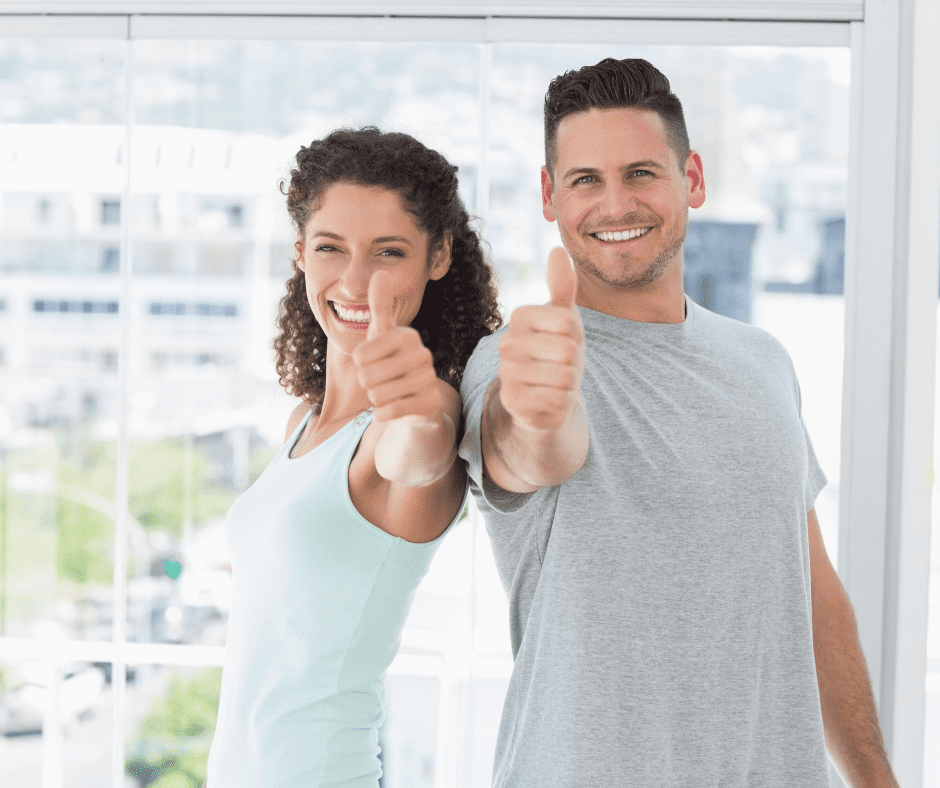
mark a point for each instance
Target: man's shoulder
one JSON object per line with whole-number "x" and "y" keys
{"x": 489, "y": 344}
{"x": 483, "y": 364}
{"x": 736, "y": 333}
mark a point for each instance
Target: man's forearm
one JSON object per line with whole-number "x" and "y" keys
{"x": 850, "y": 717}
{"x": 522, "y": 459}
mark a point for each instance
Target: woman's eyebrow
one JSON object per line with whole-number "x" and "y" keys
{"x": 392, "y": 239}
{"x": 383, "y": 240}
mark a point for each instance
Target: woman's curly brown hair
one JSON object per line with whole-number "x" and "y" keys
{"x": 456, "y": 311}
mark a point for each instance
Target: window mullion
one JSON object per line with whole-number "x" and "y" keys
{"x": 119, "y": 626}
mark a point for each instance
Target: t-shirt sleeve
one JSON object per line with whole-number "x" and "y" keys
{"x": 815, "y": 477}
{"x": 480, "y": 372}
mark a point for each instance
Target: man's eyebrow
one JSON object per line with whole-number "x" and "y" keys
{"x": 647, "y": 164}
{"x": 580, "y": 171}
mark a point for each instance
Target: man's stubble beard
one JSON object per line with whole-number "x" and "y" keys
{"x": 655, "y": 270}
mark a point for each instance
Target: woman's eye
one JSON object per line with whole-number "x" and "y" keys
{"x": 326, "y": 248}
{"x": 392, "y": 253}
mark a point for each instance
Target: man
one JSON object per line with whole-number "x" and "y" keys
{"x": 648, "y": 487}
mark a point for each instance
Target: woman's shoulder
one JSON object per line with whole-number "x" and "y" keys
{"x": 296, "y": 416}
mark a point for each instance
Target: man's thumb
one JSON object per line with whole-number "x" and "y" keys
{"x": 381, "y": 304}
{"x": 562, "y": 280}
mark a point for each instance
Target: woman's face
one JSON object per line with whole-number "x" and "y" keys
{"x": 356, "y": 231}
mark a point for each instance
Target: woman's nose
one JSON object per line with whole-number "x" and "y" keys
{"x": 355, "y": 280}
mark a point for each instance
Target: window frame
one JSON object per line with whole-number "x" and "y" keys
{"x": 890, "y": 348}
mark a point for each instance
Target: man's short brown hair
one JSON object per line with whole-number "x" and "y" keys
{"x": 614, "y": 84}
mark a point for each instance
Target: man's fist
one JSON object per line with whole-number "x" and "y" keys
{"x": 395, "y": 368}
{"x": 542, "y": 353}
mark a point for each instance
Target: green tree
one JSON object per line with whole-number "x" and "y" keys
{"x": 84, "y": 544}
{"x": 173, "y": 741}
{"x": 156, "y": 497}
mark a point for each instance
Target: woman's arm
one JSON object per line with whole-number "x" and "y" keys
{"x": 416, "y": 451}
{"x": 407, "y": 480}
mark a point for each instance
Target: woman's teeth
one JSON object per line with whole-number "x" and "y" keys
{"x": 351, "y": 315}
{"x": 625, "y": 235}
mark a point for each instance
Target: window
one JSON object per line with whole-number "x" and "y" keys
{"x": 216, "y": 122}
{"x": 204, "y": 310}
{"x": 76, "y": 307}
{"x": 110, "y": 212}
{"x": 110, "y": 260}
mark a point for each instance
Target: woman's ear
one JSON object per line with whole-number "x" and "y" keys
{"x": 299, "y": 251}
{"x": 440, "y": 257}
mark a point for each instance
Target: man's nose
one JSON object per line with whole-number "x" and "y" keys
{"x": 618, "y": 200}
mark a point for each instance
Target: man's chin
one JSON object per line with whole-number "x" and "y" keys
{"x": 629, "y": 276}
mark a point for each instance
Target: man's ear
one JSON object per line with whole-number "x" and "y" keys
{"x": 441, "y": 257}
{"x": 299, "y": 251}
{"x": 696, "y": 179}
{"x": 548, "y": 209}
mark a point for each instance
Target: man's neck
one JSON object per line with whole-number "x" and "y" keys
{"x": 662, "y": 301}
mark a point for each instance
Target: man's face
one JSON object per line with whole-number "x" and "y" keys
{"x": 619, "y": 195}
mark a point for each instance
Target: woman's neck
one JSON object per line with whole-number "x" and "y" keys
{"x": 343, "y": 395}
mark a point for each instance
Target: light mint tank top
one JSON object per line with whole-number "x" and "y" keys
{"x": 320, "y": 597}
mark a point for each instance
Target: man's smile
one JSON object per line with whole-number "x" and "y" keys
{"x": 620, "y": 235}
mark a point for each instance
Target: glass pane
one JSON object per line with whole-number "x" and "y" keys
{"x": 21, "y": 718}
{"x": 410, "y": 736}
{"x": 767, "y": 247}
{"x": 65, "y": 743}
{"x": 60, "y": 182}
{"x": 170, "y": 724}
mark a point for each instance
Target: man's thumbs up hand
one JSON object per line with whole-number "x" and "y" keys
{"x": 542, "y": 353}
{"x": 562, "y": 280}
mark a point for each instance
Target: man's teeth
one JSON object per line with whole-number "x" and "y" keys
{"x": 352, "y": 315}
{"x": 625, "y": 235}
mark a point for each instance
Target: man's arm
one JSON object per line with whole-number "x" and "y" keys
{"x": 533, "y": 429}
{"x": 850, "y": 717}
{"x": 520, "y": 459}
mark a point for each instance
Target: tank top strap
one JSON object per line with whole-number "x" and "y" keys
{"x": 365, "y": 418}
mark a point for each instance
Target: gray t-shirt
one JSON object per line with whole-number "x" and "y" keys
{"x": 659, "y": 600}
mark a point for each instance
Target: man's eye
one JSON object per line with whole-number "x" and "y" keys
{"x": 642, "y": 173}
{"x": 585, "y": 179}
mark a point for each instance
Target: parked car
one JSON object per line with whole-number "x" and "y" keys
{"x": 23, "y": 708}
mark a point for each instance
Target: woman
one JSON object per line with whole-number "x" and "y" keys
{"x": 389, "y": 296}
